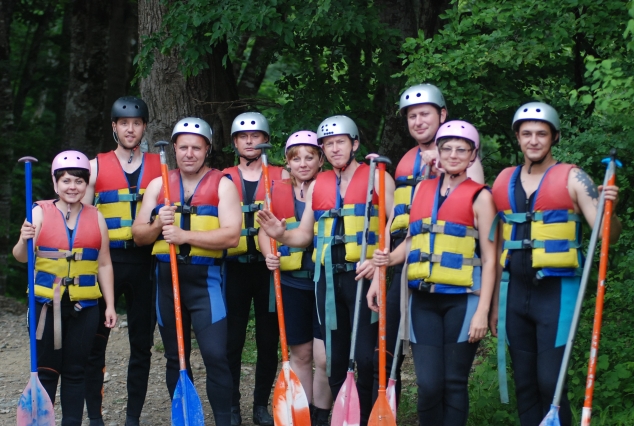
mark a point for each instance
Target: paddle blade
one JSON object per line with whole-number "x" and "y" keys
{"x": 347, "y": 411}
{"x": 290, "y": 405}
{"x": 35, "y": 407}
{"x": 381, "y": 414}
{"x": 552, "y": 418}
{"x": 186, "y": 407}
{"x": 390, "y": 393}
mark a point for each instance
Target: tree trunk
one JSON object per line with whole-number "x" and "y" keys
{"x": 86, "y": 127}
{"x": 170, "y": 96}
{"x": 6, "y": 125}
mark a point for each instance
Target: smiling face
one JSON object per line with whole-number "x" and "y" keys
{"x": 191, "y": 152}
{"x": 337, "y": 149}
{"x": 423, "y": 121}
{"x": 129, "y": 131}
{"x": 456, "y": 155}
{"x": 304, "y": 161}
{"x": 535, "y": 139}
{"x": 71, "y": 184}
{"x": 245, "y": 142}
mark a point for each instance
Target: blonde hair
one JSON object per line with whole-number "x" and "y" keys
{"x": 294, "y": 150}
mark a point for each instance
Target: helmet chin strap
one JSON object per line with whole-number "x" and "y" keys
{"x": 132, "y": 150}
{"x": 540, "y": 161}
{"x": 348, "y": 162}
{"x": 250, "y": 160}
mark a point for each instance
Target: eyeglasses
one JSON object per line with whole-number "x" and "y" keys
{"x": 460, "y": 152}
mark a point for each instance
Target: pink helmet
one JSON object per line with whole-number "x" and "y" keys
{"x": 303, "y": 137}
{"x": 459, "y": 129}
{"x": 70, "y": 160}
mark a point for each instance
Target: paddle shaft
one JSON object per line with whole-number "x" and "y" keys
{"x": 382, "y": 274}
{"x": 31, "y": 261}
{"x": 598, "y": 313}
{"x": 276, "y": 274}
{"x": 174, "y": 267}
{"x": 587, "y": 267}
{"x": 362, "y": 258}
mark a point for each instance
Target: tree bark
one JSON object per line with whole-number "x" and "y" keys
{"x": 86, "y": 127}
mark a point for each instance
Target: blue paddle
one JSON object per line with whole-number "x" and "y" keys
{"x": 186, "y": 407}
{"x": 35, "y": 406}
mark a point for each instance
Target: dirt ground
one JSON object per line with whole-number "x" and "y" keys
{"x": 15, "y": 365}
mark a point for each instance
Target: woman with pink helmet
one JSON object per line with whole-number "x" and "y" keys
{"x": 304, "y": 158}
{"x": 450, "y": 269}
{"x": 72, "y": 270}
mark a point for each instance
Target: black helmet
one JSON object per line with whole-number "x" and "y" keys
{"x": 128, "y": 107}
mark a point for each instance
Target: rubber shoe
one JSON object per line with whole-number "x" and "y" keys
{"x": 96, "y": 422}
{"x": 236, "y": 418}
{"x": 261, "y": 416}
{"x": 131, "y": 421}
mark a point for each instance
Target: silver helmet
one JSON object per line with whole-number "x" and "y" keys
{"x": 249, "y": 122}
{"x": 422, "y": 94}
{"x": 536, "y": 111}
{"x": 337, "y": 125}
{"x": 196, "y": 126}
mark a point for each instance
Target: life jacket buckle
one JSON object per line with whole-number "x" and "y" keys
{"x": 338, "y": 268}
{"x": 424, "y": 257}
{"x": 66, "y": 281}
{"x": 251, "y": 232}
{"x": 253, "y": 207}
{"x": 338, "y": 239}
{"x": 334, "y": 213}
{"x": 529, "y": 216}
{"x": 426, "y": 228}
{"x": 128, "y": 244}
{"x": 527, "y": 244}
{"x": 422, "y": 286}
{"x": 186, "y": 209}
{"x": 71, "y": 256}
{"x": 183, "y": 259}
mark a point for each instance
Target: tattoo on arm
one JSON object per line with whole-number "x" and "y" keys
{"x": 591, "y": 189}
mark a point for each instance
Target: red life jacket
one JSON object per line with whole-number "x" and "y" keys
{"x": 408, "y": 173}
{"x": 283, "y": 201}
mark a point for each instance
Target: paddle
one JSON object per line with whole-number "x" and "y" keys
{"x": 552, "y": 417}
{"x": 347, "y": 410}
{"x": 586, "y": 413}
{"x": 186, "y": 407}
{"x": 290, "y": 405}
{"x": 35, "y": 406}
{"x": 382, "y": 412}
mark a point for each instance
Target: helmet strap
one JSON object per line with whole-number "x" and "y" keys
{"x": 540, "y": 161}
{"x": 349, "y": 161}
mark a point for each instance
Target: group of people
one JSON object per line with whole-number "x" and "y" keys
{"x": 464, "y": 256}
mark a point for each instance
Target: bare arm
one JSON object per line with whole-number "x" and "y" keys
{"x": 585, "y": 194}
{"x": 476, "y": 172}
{"x": 28, "y": 231}
{"x": 143, "y": 231}
{"x": 105, "y": 275}
{"x": 495, "y": 299}
{"x": 89, "y": 196}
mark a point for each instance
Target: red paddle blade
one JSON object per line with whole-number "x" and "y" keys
{"x": 347, "y": 410}
{"x": 35, "y": 406}
{"x": 381, "y": 414}
{"x": 290, "y": 406}
{"x": 390, "y": 394}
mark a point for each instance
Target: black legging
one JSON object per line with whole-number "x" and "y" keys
{"x": 246, "y": 282}
{"x": 345, "y": 293}
{"x": 203, "y": 307}
{"x": 134, "y": 281}
{"x": 442, "y": 356}
{"x": 78, "y": 330}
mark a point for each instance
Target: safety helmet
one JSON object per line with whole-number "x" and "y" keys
{"x": 249, "y": 122}
{"x": 536, "y": 111}
{"x": 337, "y": 125}
{"x": 458, "y": 129}
{"x": 303, "y": 137}
{"x": 422, "y": 94}
{"x": 193, "y": 125}
{"x": 70, "y": 160}
{"x": 128, "y": 107}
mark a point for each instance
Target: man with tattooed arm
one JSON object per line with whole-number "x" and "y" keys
{"x": 541, "y": 204}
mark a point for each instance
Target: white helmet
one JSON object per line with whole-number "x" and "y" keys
{"x": 196, "y": 126}
{"x": 536, "y": 111}
{"x": 249, "y": 122}
{"x": 422, "y": 94}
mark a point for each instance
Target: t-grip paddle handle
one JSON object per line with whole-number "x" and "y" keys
{"x": 381, "y": 159}
{"x": 263, "y": 147}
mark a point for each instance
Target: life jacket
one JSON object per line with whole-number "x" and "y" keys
{"x": 202, "y": 211}
{"x": 408, "y": 174}
{"x": 327, "y": 209}
{"x": 443, "y": 246}
{"x": 275, "y": 173}
{"x": 113, "y": 197}
{"x": 283, "y": 200}
{"x": 555, "y": 227}
{"x": 62, "y": 260}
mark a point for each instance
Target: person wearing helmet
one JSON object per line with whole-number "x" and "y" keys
{"x": 304, "y": 159}
{"x": 248, "y": 278}
{"x": 71, "y": 246}
{"x": 451, "y": 270}
{"x": 338, "y": 197}
{"x": 540, "y": 259}
{"x": 203, "y": 221}
{"x": 118, "y": 181}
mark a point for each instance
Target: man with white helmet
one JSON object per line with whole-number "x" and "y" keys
{"x": 338, "y": 199}
{"x": 203, "y": 221}
{"x": 248, "y": 278}
{"x": 542, "y": 204}
{"x": 117, "y": 183}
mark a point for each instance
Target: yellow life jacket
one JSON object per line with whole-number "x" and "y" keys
{"x": 555, "y": 228}
{"x": 248, "y": 210}
{"x": 114, "y": 199}
{"x": 283, "y": 201}
{"x": 443, "y": 247}
{"x": 202, "y": 211}
{"x": 408, "y": 173}
{"x": 69, "y": 262}
{"x": 327, "y": 210}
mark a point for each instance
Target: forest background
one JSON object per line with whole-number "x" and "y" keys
{"x": 63, "y": 63}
